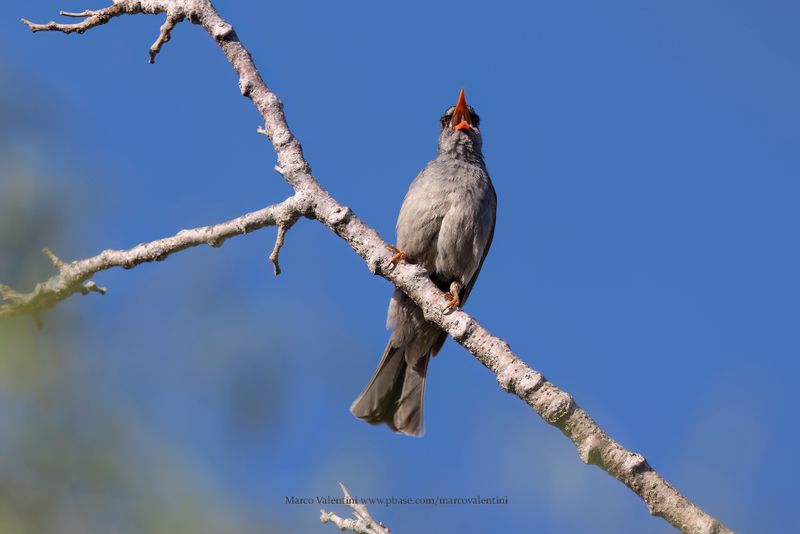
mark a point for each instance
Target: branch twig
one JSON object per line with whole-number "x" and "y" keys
{"x": 279, "y": 239}
{"x": 93, "y": 18}
{"x": 363, "y": 522}
{"x": 164, "y": 35}
{"x": 554, "y": 405}
{"x": 82, "y": 14}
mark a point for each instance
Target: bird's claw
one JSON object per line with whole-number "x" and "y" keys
{"x": 455, "y": 301}
{"x": 453, "y": 296}
{"x": 399, "y": 255}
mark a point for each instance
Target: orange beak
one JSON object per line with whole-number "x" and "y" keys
{"x": 461, "y": 120}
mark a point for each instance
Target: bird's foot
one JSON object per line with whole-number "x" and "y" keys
{"x": 399, "y": 255}
{"x": 453, "y": 297}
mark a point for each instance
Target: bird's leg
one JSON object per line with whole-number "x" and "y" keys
{"x": 399, "y": 255}
{"x": 452, "y": 295}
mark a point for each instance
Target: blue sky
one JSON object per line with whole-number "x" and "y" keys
{"x": 645, "y": 257}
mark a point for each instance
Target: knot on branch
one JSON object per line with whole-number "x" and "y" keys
{"x": 222, "y": 31}
{"x": 518, "y": 378}
{"x": 551, "y": 403}
{"x": 91, "y": 287}
{"x": 340, "y": 215}
{"x": 246, "y": 86}
{"x": 635, "y": 463}
{"x": 590, "y": 449}
{"x": 460, "y": 327}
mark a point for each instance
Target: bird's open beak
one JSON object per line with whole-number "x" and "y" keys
{"x": 461, "y": 120}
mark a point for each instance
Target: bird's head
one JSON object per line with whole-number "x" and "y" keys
{"x": 460, "y": 135}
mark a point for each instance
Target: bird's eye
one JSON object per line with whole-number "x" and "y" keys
{"x": 445, "y": 120}
{"x": 474, "y": 118}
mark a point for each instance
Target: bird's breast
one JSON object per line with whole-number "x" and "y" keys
{"x": 446, "y": 219}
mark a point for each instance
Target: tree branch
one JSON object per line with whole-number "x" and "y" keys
{"x": 93, "y": 18}
{"x": 362, "y": 524}
{"x": 554, "y": 405}
{"x": 73, "y": 277}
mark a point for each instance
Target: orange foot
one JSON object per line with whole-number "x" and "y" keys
{"x": 452, "y": 296}
{"x": 399, "y": 255}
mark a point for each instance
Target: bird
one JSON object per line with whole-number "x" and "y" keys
{"x": 446, "y": 225}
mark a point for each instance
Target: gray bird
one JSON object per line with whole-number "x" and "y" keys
{"x": 446, "y": 224}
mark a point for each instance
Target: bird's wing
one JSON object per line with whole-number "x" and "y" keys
{"x": 465, "y": 291}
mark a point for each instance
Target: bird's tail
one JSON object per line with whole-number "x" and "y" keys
{"x": 396, "y": 392}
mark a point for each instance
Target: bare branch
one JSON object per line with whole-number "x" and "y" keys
{"x": 362, "y": 524}
{"x": 175, "y": 14}
{"x": 8, "y": 294}
{"x": 82, "y": 14}
{"x": 164, "y": 35}
{"x": 74, "y": 277}
{"x": 554, "y": 405}
{"x": 93, "y": 18}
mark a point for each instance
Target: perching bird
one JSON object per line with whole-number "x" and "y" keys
{"x": 446, "y": 224}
